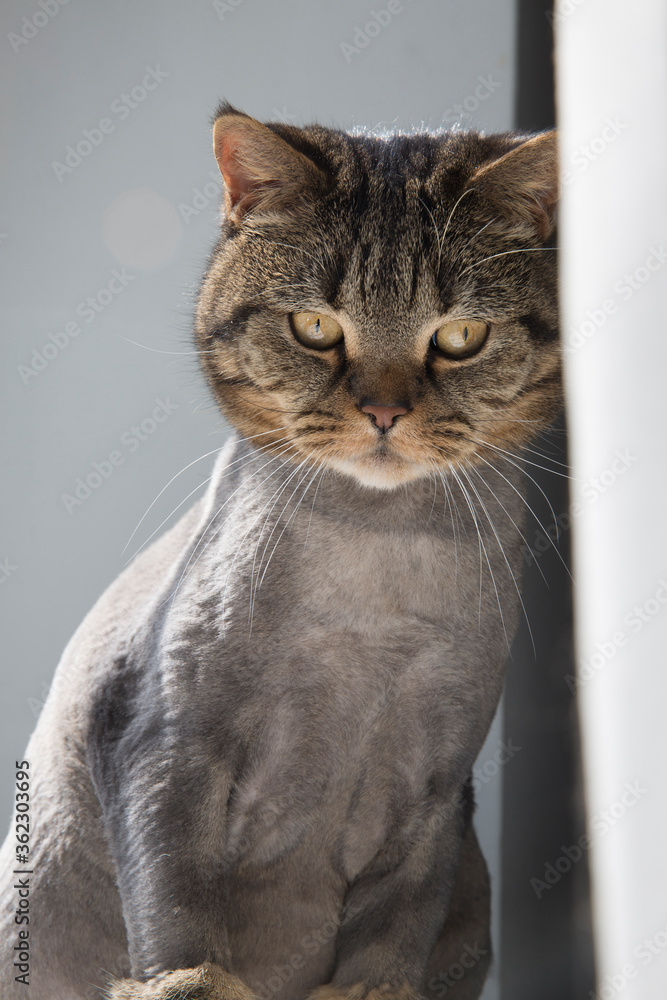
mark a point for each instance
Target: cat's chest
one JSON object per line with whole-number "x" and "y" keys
{"x": 330, "y": 653}
{"x": 344, "y": 770}
{"x": 330, "y": 579}
{"x": 350, "y": 681}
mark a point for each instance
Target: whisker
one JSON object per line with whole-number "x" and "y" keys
{"x": 479, "y": 537}
{"x": 485, "y": 226}
{"x": 437, "y": 234}
{"x": 204, "y": 482}
{"x": 486, "y": 556}
{"x": 288, "y": 522}
{"x": 157, "y": 350}
{"x": 271, "y": 504}
{"x": 456, "y": 205}
{"x": 547, "y": 458}
{"x": 518, "y": 464}
{"x": 312, "y": 506}
{"x": 473, "y": 468}
{"x": 502, "y": 550}
{"x": 539, "y": 523}
{"x": 184, "y": 469}
{"x": 252, "y": 526}
{"x": 244, "y": 460}
{"x": 450, "y": 507}
{"x": 432, "y": 478}
{"x": 224, "y": 504}
{"x": 519, "y": 458}
{"x": 503, "y": 254}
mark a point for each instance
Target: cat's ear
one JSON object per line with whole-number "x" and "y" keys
{"x": 522, "y": 186}
{"x": 263, "y": 173}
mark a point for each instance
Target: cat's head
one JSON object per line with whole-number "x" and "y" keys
{"x": 386, "y": 306}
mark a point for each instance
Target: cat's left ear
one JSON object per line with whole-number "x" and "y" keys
{"x": 263, "y": 173}
{"x": 522, "y": 186}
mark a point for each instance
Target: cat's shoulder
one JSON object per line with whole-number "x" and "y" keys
{"x": 117, "y": 619}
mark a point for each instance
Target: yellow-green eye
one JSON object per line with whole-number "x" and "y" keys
{"x": 316, "y": 329}
{"x": 461, "y": 337}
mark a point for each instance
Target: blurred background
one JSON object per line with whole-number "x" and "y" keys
{"x": 110, "y": 208}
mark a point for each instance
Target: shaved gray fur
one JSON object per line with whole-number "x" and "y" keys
{"x": 252, "y": 772}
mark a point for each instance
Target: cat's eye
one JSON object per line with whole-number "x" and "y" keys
{"x": 460, "y": 338}
{"x": 316, "y": 330}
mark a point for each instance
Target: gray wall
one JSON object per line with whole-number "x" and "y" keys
{"x": 125, "y": 207}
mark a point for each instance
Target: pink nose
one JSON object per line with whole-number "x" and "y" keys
{"x": 383, "y": 416}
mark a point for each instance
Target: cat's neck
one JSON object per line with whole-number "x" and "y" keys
{"x": 275, "y": 486}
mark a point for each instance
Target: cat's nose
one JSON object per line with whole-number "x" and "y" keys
{"x": 383, "y": 416}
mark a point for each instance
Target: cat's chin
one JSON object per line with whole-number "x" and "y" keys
{"x": 381, "y": 471}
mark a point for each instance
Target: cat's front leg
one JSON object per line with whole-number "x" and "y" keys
{"x": 163, "y": 794}
{"x": 205, "y": 982}
{"x": 395, "y": 909}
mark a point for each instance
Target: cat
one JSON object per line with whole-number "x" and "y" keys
{"x": 252, "y": 773}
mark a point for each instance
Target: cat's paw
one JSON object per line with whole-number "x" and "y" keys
{"x": 205, "y": 982}
{"x": 362, "y": 992}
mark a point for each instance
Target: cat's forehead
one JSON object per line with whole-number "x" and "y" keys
{"x": 392, "y": 235}
{"x": 439, "y": 161}
{"x": 389, "y": 220}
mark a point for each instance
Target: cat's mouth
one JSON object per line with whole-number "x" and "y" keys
{"x": 385, "y": 463}
{"x": 410, "y": 448}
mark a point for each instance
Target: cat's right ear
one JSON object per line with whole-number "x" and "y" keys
{"x": 522, "y": 186}
{"x": 263, "y": 174}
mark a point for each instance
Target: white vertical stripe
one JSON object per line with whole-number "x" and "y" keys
{"x": 612, "y": 102}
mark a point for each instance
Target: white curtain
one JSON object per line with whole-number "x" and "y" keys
{"x": 612, "y": 104}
